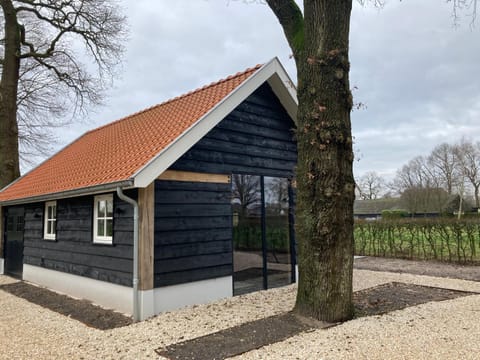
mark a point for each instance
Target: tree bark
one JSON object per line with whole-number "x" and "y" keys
{"x": 9, "y": 164}
{"x": 325, "y": 183}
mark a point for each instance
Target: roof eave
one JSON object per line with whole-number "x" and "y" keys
{"x": 90, "y": 190}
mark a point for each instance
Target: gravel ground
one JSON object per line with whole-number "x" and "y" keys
{"x": 440, "y": 330}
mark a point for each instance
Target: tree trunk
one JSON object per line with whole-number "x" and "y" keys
{"x": 326, "y": 187}
{"x": 9, "y": 163}
{"x": 477, "y": 197}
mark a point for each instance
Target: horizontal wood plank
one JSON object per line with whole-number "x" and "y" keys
{"x": 194, "y": 177}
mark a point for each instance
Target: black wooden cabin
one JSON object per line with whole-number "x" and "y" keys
{"x": 215, "y": 221}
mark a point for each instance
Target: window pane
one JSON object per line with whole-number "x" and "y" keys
{"x": 101, "y": 208}
{"x": 247, "y": 233}
{"x": 54, "y": 212}
{"x": 109, "y": 227}
{"x": 49, "y": 212}
{"x": 54, "y": 227}
{"x": 49, "y": 227}
{"x": 101, "y": 227}
{"x": 10, "y": 223}
{"x": 109, "y": 208}
{"x": 277, "y": 232}
{"x": 19, "y": 223}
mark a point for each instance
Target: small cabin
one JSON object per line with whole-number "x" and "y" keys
{"x": 185, "y": 202}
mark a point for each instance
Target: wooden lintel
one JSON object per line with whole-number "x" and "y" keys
{"x": 194, "y": 177}
{"x": 146, "y": 209}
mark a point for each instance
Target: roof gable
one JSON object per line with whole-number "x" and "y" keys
{"x": 137, "y": 149}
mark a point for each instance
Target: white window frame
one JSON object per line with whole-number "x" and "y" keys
{"x": 99, "y": 239}
{"x": 46, "y": 220}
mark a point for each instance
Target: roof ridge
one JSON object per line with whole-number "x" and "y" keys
{"x": 176, "y": 98}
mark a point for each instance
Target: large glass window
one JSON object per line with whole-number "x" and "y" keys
{"x": 261, "y": 233}
{"x": 247, "y": 234}
{"x": 279, "y": 265}
{"x": 103, "y": 219}
{"x": 50, "y": 223}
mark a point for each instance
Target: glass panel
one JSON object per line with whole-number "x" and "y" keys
{"x": 49, "y": 212}
{"x": 109, "y": 208}
{"x": 54, "y": 227}
{"x": 19, "y": 223}
{"x": 49, "y": 227}
{"x": 279, "y": 268}
{"x": 101, "y": 208}
{"x": 10, "y": 223}
{"x": 54, "y": 212}
{"x": 101, "y": 227}
{"x": 247, "y": 234}
{"x": 109, "y": 227}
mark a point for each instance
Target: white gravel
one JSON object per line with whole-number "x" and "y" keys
{"x": 438, "y": 330}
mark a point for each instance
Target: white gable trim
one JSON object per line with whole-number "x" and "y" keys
{"x": 272, "y": 72}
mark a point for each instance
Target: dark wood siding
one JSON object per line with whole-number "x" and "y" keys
{"x": 192, "y": 232}
{"x": 73, "y": 250}
{"x": 256, "y": 138}
{"x": 193, "y": 225}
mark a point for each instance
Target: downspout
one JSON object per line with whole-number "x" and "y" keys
{"x": 121, "y": 195}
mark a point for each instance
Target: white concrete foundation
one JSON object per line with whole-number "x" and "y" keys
{"x": 105, "y": 294}
{"x": 120, "y": 298}
{"x": 198, "y": 292}
{"x": 1, "y": 266}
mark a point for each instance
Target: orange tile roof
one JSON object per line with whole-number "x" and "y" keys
{"x": 115, "y": 152}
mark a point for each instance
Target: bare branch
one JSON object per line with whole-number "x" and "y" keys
{"x": 291, "y": 18}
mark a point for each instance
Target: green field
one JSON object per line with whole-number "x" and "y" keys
{"x": 429, "y": 239}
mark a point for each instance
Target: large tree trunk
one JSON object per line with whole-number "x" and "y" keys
{"x": 9, "y": 163}
{"x": 324, "y": 217}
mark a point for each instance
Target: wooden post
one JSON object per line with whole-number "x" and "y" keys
{"x": 2, "y": 231}
{"x": 146, "y": 210}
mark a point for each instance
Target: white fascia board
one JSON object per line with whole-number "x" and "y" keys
{"x": 272, "y": 70}
{"x": 284, "y": 89}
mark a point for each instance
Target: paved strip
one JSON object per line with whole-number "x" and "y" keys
{"x": 240, "y": 339}
{"x": 81, "y": 310}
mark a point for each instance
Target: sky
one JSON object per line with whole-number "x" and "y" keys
{"x": 417, "y": 74}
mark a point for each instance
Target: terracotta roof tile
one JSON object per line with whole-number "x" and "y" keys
{"x": 114, "y": 152}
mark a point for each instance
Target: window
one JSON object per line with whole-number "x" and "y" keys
{"x": 103, "y": 219}
{"x": 50, "y": 226}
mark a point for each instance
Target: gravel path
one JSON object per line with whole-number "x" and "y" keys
{"x": 441, "y": 330}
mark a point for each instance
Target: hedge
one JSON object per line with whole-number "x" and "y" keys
{"x": 443, "y": 239}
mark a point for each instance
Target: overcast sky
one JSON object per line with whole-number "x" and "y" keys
{"x": 416, "y": 73}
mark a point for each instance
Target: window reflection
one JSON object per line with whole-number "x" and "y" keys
{"x": 261, "y": 257}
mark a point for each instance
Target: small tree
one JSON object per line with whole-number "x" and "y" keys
{"x": 371, "y": 186}
{"x": 41, "y": 74}
{"x": 468, "y": 155}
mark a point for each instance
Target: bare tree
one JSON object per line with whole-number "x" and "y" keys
{"x": 468, "y": 155}
{"x": 443, "y": 162}
{"x": 246, "y": 190}
{"x": 371, "y": 185}
{"x": 42, "y": 75}
{"x": 420, "y": 187}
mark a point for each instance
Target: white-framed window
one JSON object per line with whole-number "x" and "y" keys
{"x": 50, "y": 220}
{"x": 103, "y": 219}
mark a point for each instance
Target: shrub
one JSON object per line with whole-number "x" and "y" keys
{"x": 443, "y": 239}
